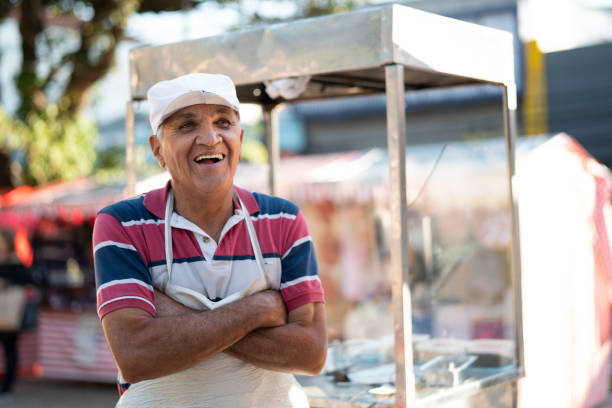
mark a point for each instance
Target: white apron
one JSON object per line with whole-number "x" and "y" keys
{"x": 221, "y": 380}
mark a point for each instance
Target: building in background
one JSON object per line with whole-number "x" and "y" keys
{"x": 579, "y": 97}
{"x": 561, "y": 88}
{"x": 434, "y": 116}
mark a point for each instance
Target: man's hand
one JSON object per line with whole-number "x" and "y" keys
{"x": 146, "y": 347}
{"x": 274, "y": 311}
{"x": 271, "y": 303}
{"x": 300, "y": 346}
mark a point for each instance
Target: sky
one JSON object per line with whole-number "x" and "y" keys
{"x": 564, "y": 24}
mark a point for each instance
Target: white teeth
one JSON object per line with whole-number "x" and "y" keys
{"x": 218, "y": 156}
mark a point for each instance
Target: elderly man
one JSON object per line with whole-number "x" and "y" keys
{"x": 208, "y": 293}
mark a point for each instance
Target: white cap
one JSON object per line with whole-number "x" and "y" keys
{"x": 167, "y": 97}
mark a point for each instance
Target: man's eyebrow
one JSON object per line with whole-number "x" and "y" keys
{"x": 180, "y": 116}
{"x": 223, "y": 110}
{"x": 227, "y": 111}
{"x": 186, "y": 115}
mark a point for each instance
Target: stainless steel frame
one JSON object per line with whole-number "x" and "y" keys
{"x": 402, "y": 309}
{"x": 388, "y": 49}
{"x": 509, "y": 100}
{"x": 130, "y": 149}
{"x": 270, "y": 118}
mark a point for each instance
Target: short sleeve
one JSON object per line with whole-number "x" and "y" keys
{"x": 300, "y": 282}
{"x": 123, "y": 278}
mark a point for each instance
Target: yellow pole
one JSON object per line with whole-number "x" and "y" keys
{"x": 535, "y": 107}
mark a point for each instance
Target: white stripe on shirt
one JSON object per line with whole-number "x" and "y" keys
{"x": 125, "y": 297}
{"x": 297, "y": 243}
{"x": 299, "y": 280}
{"x": 113, "y": 243}
{"x": 274, "y": 216}
{"x": 141, "y": 221}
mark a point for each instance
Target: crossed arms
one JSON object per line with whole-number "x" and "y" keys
{"x": 256, "y": 329}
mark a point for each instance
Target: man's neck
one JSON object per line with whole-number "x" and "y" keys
{"x": 210, "y": 212}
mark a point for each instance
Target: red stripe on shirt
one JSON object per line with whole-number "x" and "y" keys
{"x": 121, "y": 303}
{"x": 184, "y": 245}
{"x": 303, "y": 292}
{"x": 270, "y": 232}
{"x": 148, "y": 239}
{"x": 119, "y": 290}
{"x": 108, "y": 228}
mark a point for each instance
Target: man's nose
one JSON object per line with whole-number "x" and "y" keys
{"x": 208, "y": 136}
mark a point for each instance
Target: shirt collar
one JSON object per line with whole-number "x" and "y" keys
{"x": 155, "y": 200}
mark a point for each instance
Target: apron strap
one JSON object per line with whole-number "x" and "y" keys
{"x": 250, "y": 229}
{"x": 253, "y": 238}
{"x": 168, "y": 232}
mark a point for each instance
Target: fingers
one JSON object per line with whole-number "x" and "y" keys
{"x": 273, "y": 309}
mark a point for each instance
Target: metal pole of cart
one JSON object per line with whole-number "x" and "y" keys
{"x": 130, "y": 152}
{"x": 270, "y": 118}
{"x": 509, "y": 100}
{"x": 402, "y": 313}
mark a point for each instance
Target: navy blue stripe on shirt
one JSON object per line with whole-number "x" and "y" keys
{"x": 274, "y": 205}
{"x": 115, "y": 263}
{"x": 129, "y": 210}
{"x": 300, "y": 262}
{"x": 243, "y": 257}
{"x": 178, "y": 261}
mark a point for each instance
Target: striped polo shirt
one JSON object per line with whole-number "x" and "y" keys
{"x": 130, "y": 262}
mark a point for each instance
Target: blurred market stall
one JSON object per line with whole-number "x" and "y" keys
{"x": 54, "y": 223}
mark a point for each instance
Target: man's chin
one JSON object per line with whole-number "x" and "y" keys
{"x": 211, "y": 187}
{"x": 200, "y": 186}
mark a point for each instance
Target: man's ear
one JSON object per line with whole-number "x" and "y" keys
{"x": 155, "y": 144}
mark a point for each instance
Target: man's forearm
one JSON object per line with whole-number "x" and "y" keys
{"x": 146, "y": 347}
{"x": 297, "y": 347}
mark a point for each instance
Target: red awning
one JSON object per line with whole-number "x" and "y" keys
{"x": 73, "y": 201}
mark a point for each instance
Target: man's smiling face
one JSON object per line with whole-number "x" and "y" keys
{"x": 200, "y": 145}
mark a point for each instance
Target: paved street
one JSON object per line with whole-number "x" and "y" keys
{"x": 31, "y": 393}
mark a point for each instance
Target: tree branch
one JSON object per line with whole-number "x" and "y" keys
{"x": 30, "y": 25}
{"x": 85, "y": 70}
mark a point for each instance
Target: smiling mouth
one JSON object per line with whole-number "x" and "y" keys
{"x": 209, "y": 158}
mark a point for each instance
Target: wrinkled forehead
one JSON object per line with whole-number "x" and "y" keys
{"x": 201, "y": 111}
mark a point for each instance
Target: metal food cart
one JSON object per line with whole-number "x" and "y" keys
{"x": 389, "y": 49}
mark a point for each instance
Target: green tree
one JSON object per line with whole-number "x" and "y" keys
{"x": 67, "y": 46}
{"x": 53, "y": 147}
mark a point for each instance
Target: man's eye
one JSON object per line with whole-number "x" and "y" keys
{"x": 187, "y": 125}
{"x": 224, "y": 123}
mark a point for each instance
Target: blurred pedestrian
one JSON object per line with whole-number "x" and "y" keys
{"x": 13, "y": 278}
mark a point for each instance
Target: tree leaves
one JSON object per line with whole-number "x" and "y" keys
{"x": 67, "y": 46}
{"x": 50, "y": 146}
